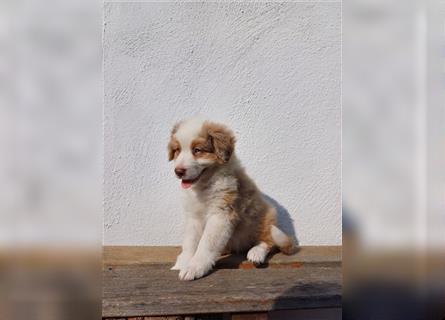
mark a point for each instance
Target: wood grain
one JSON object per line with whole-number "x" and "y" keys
{"x": 137, "y": 282}
{"x": 132, "y": 255}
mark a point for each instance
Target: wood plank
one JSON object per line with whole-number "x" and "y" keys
{"x": 132, "y": 255}
{"x": 141, "y": 290}
{"x": 139, "y": 285}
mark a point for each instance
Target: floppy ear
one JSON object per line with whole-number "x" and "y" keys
{"x": 172, "y": 145}
{"x": 223, "y": 141}
{"x": 171, "y": 150}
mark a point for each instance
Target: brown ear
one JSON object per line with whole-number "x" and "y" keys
{"x": 171, "y": 150}
{"x": 223, "y": 140}
{"x": 173, "y": 144}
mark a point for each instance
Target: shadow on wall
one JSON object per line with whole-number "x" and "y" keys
{"x": 285, "y": 222}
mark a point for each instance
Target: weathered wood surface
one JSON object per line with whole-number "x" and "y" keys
{"x": 137, "y": 282}
{"x": 139, "y": 255}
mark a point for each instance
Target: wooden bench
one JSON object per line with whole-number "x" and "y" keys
{"x": 138, "y": 283}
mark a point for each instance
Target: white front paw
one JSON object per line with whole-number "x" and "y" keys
{"x": 182, "y": 261}
{"x": 195, "y": 270}
{"x": 257, "y": 254}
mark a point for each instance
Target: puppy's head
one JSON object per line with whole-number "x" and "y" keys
{"x": 196, "y": 145}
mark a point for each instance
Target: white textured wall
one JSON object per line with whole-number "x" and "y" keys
{"x": 269, "y": 70}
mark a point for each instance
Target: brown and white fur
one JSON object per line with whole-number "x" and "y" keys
{"x": 225, "y": 211}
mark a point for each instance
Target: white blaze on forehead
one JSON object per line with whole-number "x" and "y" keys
{"x": 188, "y": 131}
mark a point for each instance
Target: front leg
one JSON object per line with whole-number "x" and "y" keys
{"x": 193, "y": 231}
{"x": 217, "y": 232}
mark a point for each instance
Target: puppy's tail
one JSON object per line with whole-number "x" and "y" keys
{"x": 284, "y": 242}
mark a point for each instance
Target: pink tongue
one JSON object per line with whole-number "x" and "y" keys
{"x": 185, "y": 184}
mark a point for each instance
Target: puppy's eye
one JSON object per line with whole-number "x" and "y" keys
{"x": 196, "y": 150}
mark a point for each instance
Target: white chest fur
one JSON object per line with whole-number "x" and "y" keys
{"x": 193, "y": 203}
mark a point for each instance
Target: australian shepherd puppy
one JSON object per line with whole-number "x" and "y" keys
{"x": 225, "y": 211}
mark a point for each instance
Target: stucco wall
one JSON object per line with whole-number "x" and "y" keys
{"x": 269, "y": 70}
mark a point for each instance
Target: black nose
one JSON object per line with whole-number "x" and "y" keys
{"x": 180, "y": 172}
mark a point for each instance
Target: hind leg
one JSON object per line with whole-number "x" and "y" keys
{"x": 258, "y": 253}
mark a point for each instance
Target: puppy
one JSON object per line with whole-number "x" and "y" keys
{"x": 225, "y": 211}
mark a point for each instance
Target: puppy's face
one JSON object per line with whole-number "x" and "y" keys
{"x": 196, "y": 145}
